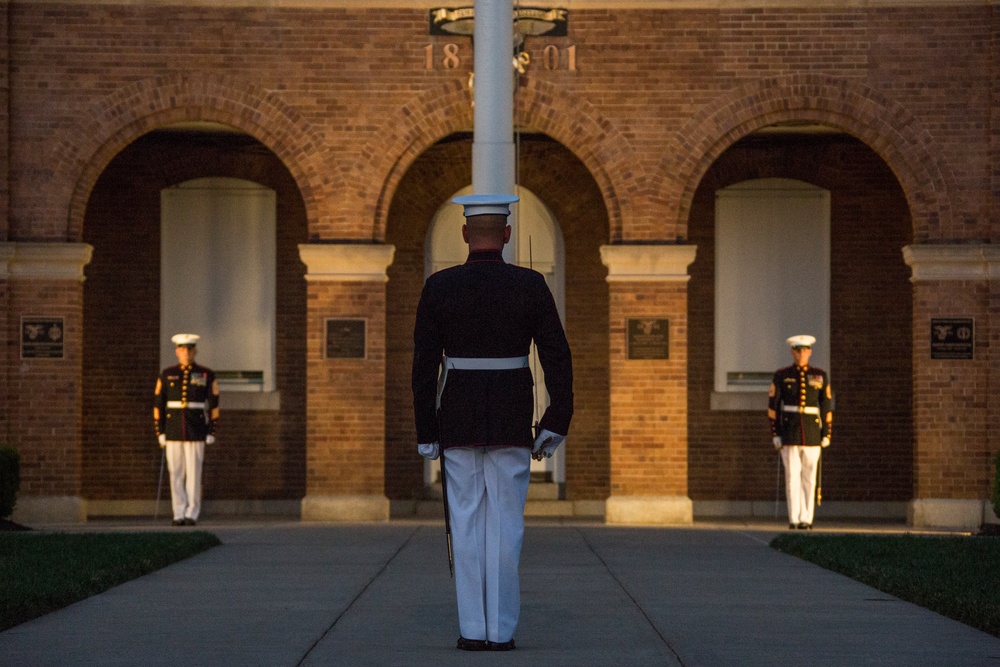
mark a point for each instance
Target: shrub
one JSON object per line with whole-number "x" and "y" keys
{"x": 10, "y": 480}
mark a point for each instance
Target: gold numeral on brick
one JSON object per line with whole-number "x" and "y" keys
{"x": 552, "y": 58}
{"x": 451, "y": 59}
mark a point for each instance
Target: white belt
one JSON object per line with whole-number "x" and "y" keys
{"x": 795, "y": 408}
{"x": 485, "y": 363}
{"x": 475, "y": 364}
{"x": 183, "y": 404}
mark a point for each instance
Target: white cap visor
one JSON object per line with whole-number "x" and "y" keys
{"x": 486, "y": 204}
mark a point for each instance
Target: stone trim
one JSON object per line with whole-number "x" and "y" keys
{"x": 210, "y": 509}
{"x": 648, "y": 263}
{"x": 44, "y": 261}
{"x": 343, "y": 262}
{"x": 948, "y": 513}
{"x": 953, "y": 262}
{"x": 50, "y": 509}
{"x": 345, "y": 508}
{"x": 765, "y": 509}
{"x": 649, "y": 510}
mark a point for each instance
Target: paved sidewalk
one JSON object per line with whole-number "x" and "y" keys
{"x": 287, "y": 594}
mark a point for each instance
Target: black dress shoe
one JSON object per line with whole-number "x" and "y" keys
{"x": 472, "y": 644}
{"x": 500, "y": 646}
{"x": 177, "y": 522}
{"x": 792, "y": 526}
{"x": 190, "y": 522}
{"x": 805, "y": 526}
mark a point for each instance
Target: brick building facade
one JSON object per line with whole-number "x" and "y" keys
{"x": 359, "y": 120}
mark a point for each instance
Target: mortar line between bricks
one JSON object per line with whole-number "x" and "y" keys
{"x": 630, "y": 597}
{"x": 357, "y": 597}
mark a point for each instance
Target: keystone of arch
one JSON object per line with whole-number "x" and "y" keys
{"x": 112, "y": 123}
{"x": 884, "y": 125}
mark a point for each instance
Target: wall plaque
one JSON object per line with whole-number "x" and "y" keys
{"x": 648, "y": 339}
{"x": 953, "y": 337}
{"x": 42, "y": 337}
{"x": 345, "y": 339}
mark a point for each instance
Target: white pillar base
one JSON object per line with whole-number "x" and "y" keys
{"x": 947, "y": 513}
{"x": 31, "y": 510}
{"x": 345, "y": 508}
{"x": 649, "y": 510}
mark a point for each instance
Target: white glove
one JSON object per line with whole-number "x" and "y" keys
{"x": 162, "y": 438}
{"x": 546, "y": 444}
{"x": 429, "y": 451}
{"x": 825, "y": 442}
{"x": 776, "y": 441}
{"x": 209, "y": 439}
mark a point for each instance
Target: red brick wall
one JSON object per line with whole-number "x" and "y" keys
{"x": 9, "y": 327}
{"x": 657, "y": 97}
{"x": 952, "y": 457}
{"x": 345, "y": 417}
{"x": 4, "y": 126}
{"x": 555, "y": 175}
{"x": 649, "y": 424}
{"x": 258, "y": 455}
{"x": 870, "y": 311}
{"x": 43, "y": 399}
{"x": 302, "y": 79}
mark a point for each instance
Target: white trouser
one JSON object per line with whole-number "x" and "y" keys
{"x": 487, "y": 491}
{"x": 800, "y": 481}
{"x": 184, "y": 461}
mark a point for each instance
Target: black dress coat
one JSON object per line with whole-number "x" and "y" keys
{"x": 186, "y": 384}
{"x": 488, "y": 308}
{"x": 800, "y": 387}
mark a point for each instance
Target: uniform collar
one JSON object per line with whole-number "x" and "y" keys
{"x": 485, "y": 256}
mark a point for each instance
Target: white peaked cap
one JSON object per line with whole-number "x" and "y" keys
{"x": 801, "y": 341}
{"x": 486, "y": 204}
{"x": 185, "y": 339}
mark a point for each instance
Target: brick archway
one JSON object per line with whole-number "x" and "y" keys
{"x": 568, "y": 119}
{"x": 84, "y": 151}
{"x": 885, "y": 126}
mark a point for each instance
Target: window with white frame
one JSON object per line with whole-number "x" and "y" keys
{"x": 217, "y": 277}
{"x": 772, "y": 278}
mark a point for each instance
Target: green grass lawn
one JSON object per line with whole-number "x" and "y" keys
{"x": 42, "y": 572}
{"x": 958, "y": 577}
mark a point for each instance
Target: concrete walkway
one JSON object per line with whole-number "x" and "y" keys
{"x": 286, "y": 594}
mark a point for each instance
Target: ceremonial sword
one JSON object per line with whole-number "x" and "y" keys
{"x": 444, "y": 481}
{"x": 819, "y": 480}
{"x": 159, "y": 485}
{"x": 447, "y": 517}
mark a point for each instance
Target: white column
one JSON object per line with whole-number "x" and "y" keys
{"x": 493, "y": 135}
{"x": 25, "y": 262}
{"x": 947, "y": 262}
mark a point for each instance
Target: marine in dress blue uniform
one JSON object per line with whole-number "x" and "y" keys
{"x": 185, "y": 412}
{"x": 801, "y": 415}
{"x": 473, "y": 403}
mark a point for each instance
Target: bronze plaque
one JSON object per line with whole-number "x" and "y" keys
{"x": 648, "y": 339}
{"x": 345, "y": 339}
{"x": 953, "y": 337}
{"x": 42, "y": 337}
